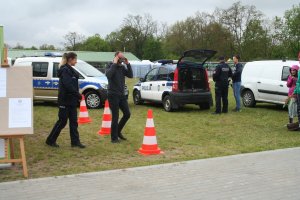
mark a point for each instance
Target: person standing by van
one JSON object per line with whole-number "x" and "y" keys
{"x": 116, "y": 73}
{"x": 68, "y": 100}
{"x": 220, "y": 76}
{"x": 292, "y": 98}
{"x": 236, "y": 82}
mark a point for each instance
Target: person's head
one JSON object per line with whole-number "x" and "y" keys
{"x": 294, "y": 70}
{"x": 236, "y": 58}
{"x": 120, "y": 55}
{"x": 70, "y": 58}
{"x": 222, "y": 59}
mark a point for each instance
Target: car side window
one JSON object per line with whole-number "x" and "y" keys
{"x": 40, "y": 69}
{"x": 55, "y": 70}
{"x": 162, "y": 74}
{"x": 285, "y": 73}
{"x": 152, "y": 75}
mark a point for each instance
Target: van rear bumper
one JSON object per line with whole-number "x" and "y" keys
{"x": 181, "y": 98}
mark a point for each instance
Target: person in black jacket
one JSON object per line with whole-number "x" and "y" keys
{"x": 236, "y": 82}
{"x": 68, "y": 100}
{"x": 116, "y": 73}
{"x": 220, "y": 76}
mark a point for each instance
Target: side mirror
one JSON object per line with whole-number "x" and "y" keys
{"x": 142, "y": 79}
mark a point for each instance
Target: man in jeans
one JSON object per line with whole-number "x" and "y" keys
{"x": 236, "y": 80}
{"x": 116, "y": 73}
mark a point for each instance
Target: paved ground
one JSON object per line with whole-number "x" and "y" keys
{"x": 264, "y": 175}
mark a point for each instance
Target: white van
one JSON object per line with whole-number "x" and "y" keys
{"x": 265, "y": 81}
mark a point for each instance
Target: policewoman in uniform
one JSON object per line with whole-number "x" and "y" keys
{"x": 68, "y": 100}
{"x": 220, "y": 76}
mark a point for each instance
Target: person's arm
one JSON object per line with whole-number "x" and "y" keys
{"x": 216, "y": 74}
{"x": 110, "y": 72}
{"x": 230, "y": 73}
{"x": 128, "y": 72}
{"x": 66, "y": 79}
{"x": 289, "y": 81}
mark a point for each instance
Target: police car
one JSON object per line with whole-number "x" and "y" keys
{"x": 92, "y": 82}
{"x": 177, "y": 85}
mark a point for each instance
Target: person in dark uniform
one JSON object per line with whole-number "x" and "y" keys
{"x": 68, "y": 100}
{"x": 116, "y": 73}
{"x": 220, "y": 76}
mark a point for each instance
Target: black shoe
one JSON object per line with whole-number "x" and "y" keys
{"x": 79, "y": 145}
{"x": 225, "y": 112}
{"x": 122, "y": 137}
{"x": 52, "y": 144}
{"x": 115, "y": 141}
{"x": 216, "y": 113}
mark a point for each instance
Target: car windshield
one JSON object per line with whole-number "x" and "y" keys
{"x": 88, "y": 70}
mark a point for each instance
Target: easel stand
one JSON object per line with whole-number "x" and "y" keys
{"x": 9, "y": 144}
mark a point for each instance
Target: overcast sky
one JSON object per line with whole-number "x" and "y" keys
{"x": 35, "y": 22}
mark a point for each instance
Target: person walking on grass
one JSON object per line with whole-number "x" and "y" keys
{"x": 116, "y": 73}
{"x": 236, "y": 82}
{"x": 68, "y": 100}
{"x": 297, "y": 93}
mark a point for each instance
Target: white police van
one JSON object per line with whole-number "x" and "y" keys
{"x": 92, "y": 82}
{"x": 177, "y": 85}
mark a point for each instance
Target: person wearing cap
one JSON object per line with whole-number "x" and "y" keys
{"x": 292, "y": 98}
{"x": 236, "y": 82}
{"x": 297, "y": 93}
{"x": 220, "y": 76}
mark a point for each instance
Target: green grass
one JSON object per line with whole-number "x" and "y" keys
{"x": 183, "y": 135}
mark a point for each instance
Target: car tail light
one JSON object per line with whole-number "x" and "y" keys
{"x": 207, "y": 79}
{"x": 175, "y": 82}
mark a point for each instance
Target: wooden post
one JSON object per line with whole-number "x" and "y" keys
{"x": 9, "y": 140}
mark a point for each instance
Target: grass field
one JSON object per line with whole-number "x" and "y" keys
{"x": 183, "y": 135}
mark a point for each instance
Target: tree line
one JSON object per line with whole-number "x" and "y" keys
{"x": 238, "y": 29}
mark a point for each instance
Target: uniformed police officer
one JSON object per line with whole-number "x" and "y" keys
{"x": 220, "y": 76}
{"x": 68, "y": 100}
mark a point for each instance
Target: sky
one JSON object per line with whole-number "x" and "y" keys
{"x": 37, "y": 22}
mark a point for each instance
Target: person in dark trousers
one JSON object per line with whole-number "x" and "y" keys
{"x": 220, "y": 76}
{"x": 68, "y": 100}
{"x": 116, "y": 73}
{"x": 236, "y": 82}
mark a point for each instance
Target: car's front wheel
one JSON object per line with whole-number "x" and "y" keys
{"x": 93, "y": 100}
{"x": 137, "y": 100}
{"x": 168, "y": 104}
{"x": 248, "y": 99}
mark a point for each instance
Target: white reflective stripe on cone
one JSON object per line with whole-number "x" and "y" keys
{"x": 106, "y": 124}
{"x": 83, "y": 114}
{"x": 149, "y": 140}
{"x": 106, "y": 111}
{"x": 82, "y": 103}
{"x": 150, "y": 123}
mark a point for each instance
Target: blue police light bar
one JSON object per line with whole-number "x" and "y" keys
{"x": 53, "y": 54}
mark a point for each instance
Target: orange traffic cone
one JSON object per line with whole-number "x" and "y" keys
{"x": 83, "y": 117}
{"x": 150, "y": 146}
{"x": 106, "y": 120}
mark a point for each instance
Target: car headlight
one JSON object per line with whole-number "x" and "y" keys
{"x": 104, "y": 85}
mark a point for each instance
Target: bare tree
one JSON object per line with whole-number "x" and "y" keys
{"x": 73, "y": 40}
{"x": 236, "y": 19}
